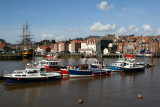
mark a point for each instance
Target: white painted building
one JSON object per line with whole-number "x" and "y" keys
{"x": 105, "y": 51}
{"x": 88, "y": 47}
{"x": 59, "y": 47}
{"x": 40, "y": 51}
{"x": 70, "y": 48}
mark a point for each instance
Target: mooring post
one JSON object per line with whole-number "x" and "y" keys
{"x": 101, "y": 61}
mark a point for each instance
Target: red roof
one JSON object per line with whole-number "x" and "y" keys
{"x": 76, "y": 41}
{"x": 134, "y": 37}
{"x": 43, "y": 47}
{"x": 2, "y": 45}
{"x": 51, "y": 47}
{"x": 91, "y": 39}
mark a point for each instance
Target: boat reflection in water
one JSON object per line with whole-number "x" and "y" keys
{"x": 26, "y": 86}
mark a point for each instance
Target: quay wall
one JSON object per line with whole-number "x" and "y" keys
{"x": 11, "y": 57}
{"x": 20, "y": 57}
{"x": 90, "y": 56}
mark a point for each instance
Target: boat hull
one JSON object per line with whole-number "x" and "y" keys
{"x": 116, "y": 68}
{"x": 29, "y": 80}
{"x": 80, "y": 73}
{"x": 94, "y": 66}
{"x": 134, "y": 69}
{"x": 64, "y": 72}
{"x": 87, "y": 73}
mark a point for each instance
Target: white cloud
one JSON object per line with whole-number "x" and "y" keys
{"x": 59, "y": 38}
{"x": 122, "y": 30}
{"x": 47, "y": 36}
{"x": 124, "y": 9}
{"x": 158, "y": 31}
{"x": 97, "y": 26}
{"x": 147, "y": 29}
{"x": 133, "y": 28}
{"x": 104, "y": 6}
{"x": 136, "y": 30}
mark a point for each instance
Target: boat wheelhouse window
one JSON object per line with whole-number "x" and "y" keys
{"x": 25, "y": 71}
{"x": 17, "y": 75}
{"x": 42, "y": 69}
{"x": 34, "y": 71}
{"x": 23, "y": 75}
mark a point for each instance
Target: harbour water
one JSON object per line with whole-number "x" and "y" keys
{"x": 116, "y": 90}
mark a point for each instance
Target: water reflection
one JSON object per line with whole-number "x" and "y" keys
{"x": 23, "y": 86}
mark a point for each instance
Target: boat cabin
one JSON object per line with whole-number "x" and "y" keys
{"x": 97, "y": 62}
{"x": 130, "y": 64}
{"x": 24, "y": 73}
{"x": 117, "y": 64}
{"x": 83, "y": 66}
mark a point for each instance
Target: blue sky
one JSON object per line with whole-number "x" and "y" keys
{"x": 64, "y": 19}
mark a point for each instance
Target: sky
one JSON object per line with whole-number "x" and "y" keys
{"x": 64, "y": 19}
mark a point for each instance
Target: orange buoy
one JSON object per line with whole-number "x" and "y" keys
{"x": 139, "y": 96}
{"x": 80, "y": 101}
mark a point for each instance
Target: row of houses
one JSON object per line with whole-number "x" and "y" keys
{"x": 102, "y": 45}
{"x": 107, "y": 44}
{"x": 133, "y": 44}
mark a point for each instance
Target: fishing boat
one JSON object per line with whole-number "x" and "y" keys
{"x": 96, "y": 64}
{"x": 48, "y": 65}
{"x": 84, "y": 71}
{"x": 117, "y": 66}
{"x": 139, "y": 55}
{"x": 133, "y": 67}
{"x": 49, "y": 55}
{"x": 28, "y": 53}
{"x": 64, "y": 70}
{"x": 30, "y": 75}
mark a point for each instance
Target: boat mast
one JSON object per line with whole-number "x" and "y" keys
{"x": 26, "y": 37}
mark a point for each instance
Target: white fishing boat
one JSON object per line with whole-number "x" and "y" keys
{"x": 96, "y": 64}
{"x": 133, "y": 67}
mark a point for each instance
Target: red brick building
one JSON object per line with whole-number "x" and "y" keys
{"x": 63, "y": 46}
{"x": 56, "y": 47}
{"x": 74, "y": 46}
{"x": 120, "y": 47}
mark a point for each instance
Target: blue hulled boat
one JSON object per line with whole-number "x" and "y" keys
{"x": 96, "y": 64}
{"x": 30, "y": 75}
{"x": 117, "y": 66}
{"x": 83, "y": 71}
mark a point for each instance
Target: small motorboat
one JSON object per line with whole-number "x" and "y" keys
{"x": 30, "y": 75}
